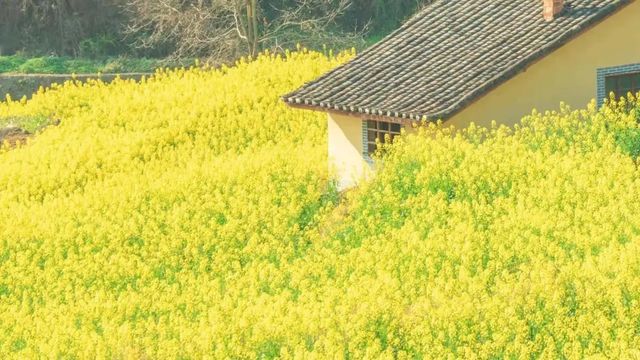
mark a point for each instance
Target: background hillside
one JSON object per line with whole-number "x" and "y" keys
{"x": 220, "y": 29}
{"x": 192, "y": 216}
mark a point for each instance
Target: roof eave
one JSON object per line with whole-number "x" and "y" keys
{"x": 378, "y": 115}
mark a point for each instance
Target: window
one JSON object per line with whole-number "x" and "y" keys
{"x": 617, "y": 79}
{"x": 378, "y": 130}
{"x": 622, "y": 84}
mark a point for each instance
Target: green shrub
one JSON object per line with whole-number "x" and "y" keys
{"x": 64, "y": 65}
{"x": 629, "y": 141}
{"x": 53, "y": 65}
{"x": 11, "y": 63}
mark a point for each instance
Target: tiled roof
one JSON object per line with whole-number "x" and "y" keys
{"x": 448, "y": 55}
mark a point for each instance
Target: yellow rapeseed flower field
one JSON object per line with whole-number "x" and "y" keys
{"x": 191, "y": 216}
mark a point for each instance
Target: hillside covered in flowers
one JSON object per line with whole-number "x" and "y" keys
{"x": 192, "y": 216}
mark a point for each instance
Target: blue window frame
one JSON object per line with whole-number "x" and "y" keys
{"x": 618, "y": 79}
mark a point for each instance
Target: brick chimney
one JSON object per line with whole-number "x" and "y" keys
{"x": 552, "y": 8}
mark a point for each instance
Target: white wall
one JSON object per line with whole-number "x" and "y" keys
{"x": 345, "y": 150}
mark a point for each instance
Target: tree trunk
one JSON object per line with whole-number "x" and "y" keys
{"x": 252, "y": 27}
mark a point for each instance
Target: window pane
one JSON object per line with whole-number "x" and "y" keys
{"x": 636, "y": 82}
{"x": 371, "y": 136}
{"x": 383, "y": 125}
{"x": 371, "y": 149}
{"x": 395, "y": 128}
{"x": 625, "y": 83}
{"x": 381, "y": 137}
{"x": 610, "y": 85}
{"x": 371, "y": 124}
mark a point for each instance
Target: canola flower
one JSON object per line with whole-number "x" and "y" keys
{"x": 191, "y": 216}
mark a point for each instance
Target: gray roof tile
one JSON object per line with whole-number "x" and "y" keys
{"x": 447, "y": 55}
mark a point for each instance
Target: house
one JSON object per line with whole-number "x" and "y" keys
{"x": 465, "y": 61}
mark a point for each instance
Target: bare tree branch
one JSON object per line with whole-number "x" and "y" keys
{"x": 226, "y": 29}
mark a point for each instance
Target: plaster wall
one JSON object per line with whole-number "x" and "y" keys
{"x": 345, "y": 149}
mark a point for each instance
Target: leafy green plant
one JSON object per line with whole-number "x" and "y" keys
{"x": 629, "y": 141}
{"x": 11, "y": 63}
{"x": 51, "y": 64}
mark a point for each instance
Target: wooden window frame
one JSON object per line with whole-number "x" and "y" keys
{"x": 378, "y": 130}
